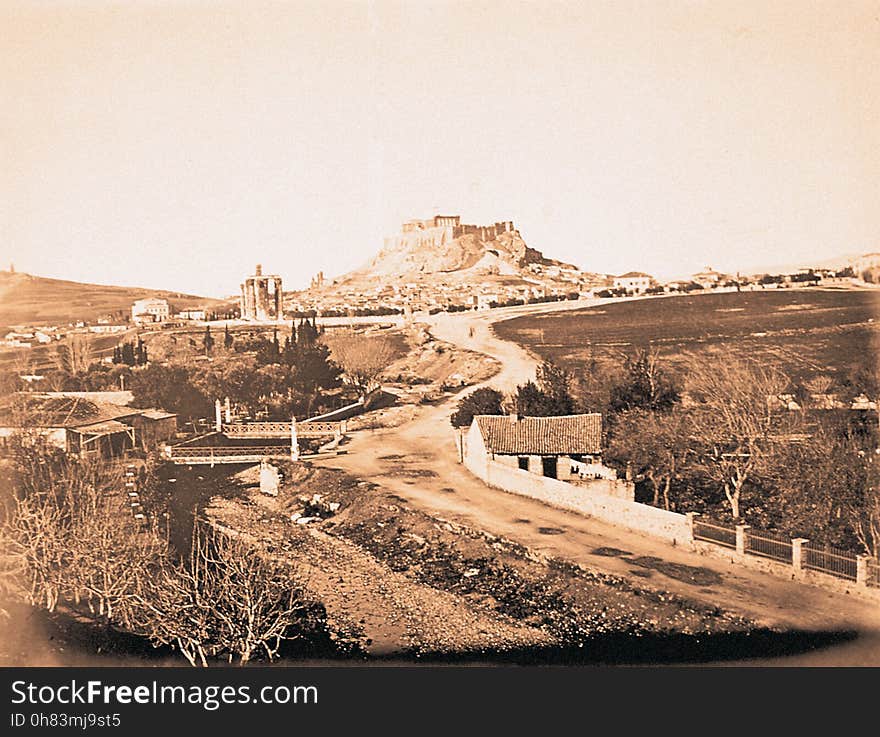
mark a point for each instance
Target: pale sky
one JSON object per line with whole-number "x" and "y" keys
{"x": 176, "y": 144}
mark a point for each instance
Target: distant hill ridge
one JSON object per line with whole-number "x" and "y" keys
{"x": 29, "y": 299}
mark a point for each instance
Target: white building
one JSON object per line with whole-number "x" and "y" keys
{"x": 191, "y": 314}
{"x": 634, "y": 281}
{"x": 150, "y": 310}
{"x": 709, "y": 278}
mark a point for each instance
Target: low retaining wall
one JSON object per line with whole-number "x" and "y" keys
{"x": 669, "y": 526}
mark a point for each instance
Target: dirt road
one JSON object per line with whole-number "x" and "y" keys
{"x": 418, "y": 461}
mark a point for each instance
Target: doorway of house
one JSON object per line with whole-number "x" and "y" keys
{"x": 548, "y": 464}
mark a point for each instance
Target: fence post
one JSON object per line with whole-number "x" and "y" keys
{"x": 862, "y": 570}
{"x": 689, "y": 521}
{"x": 741, "y": 532}
{"x": 797, "y": 555}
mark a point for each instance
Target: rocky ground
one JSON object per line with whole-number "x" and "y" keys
{"x": 429, "y": 372}
{"x": 398, "y": 582}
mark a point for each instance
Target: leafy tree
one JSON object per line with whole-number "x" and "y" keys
{"x": 482, "y": 401}
{"x": 312, "y": 370}
{"x": 208, "y": 340}
{"x": 170, "y": 388}
{"x": 645, "y": 384}
{"x": 555, "y": 383}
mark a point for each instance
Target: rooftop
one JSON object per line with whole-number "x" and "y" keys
{"x": 563, "y": 435}
{"x": 34, "y": 409}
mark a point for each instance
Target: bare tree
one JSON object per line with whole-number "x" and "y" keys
{"x": 735, "y": 417}
{"x": 224, "y": 600}
{"x": 362, "y": 358}
{"x": 75, "y": 538}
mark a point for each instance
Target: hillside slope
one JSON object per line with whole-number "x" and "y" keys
{"x": 25, "y": 298}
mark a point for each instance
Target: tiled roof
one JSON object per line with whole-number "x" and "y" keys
{"x": 110, "y": 427}
{"x": 40, "y": 410}
{"x": 567, "y": 435}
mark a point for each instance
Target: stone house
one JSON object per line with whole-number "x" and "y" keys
{"x": 567, "y": 448}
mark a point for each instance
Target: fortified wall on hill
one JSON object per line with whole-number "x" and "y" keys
{"x": 442, "y": 229}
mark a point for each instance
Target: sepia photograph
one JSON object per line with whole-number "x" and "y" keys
{"x": 381, "y": 335}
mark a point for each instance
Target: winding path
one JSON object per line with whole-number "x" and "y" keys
{"x": 418, "y": 461}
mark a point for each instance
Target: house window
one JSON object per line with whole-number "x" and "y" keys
{"x": 523, "y": 462}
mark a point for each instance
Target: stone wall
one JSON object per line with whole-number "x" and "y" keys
{"x": 588, "y": 500}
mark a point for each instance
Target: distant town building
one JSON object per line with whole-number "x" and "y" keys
{"x": 865, "y": 262}
{"x": 709, "y": 278}
{"x": 634, "y": 281}
{"x": 150, "y": 310}
{"x": 191, "y": 315}
{"x": 261, "y": 296}
{"x": 485, "y": 301}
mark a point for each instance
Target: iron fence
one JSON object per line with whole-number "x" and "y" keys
{"x": 191, "y": 453}
{"x": 831, "y": 560}
{"x": 769, "y": 545}
{"x": 874, "y": 573}
{"x": 715, "y": 533}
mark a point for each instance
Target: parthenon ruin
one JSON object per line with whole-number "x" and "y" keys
{"x": 261, "y": 296}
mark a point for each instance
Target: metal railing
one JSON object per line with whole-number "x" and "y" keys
{"x": 282, "y": 429}
{"x": 873, "y": 578}
{"x": 830, "y": 560}
{"x": 714, "y": 533}
{"x": 769, "y": 545}
{"x": 220, "y": 453}
{"x": 319, "y": 429}
{"x": 257, "y": 429}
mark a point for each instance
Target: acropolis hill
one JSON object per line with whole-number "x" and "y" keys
{"x": 443, "y": 244}
{"x": 440, "y": 262}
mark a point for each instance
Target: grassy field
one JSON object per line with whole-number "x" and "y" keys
{"x": 804, "y": 332}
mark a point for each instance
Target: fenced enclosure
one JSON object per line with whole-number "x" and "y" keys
{"x": 830, "y": 560}
{"x": 780, "y": 547}
{"x": 769, "y": 545}
{"x": 873, "y": 574}
{"x": 714, "y": 533}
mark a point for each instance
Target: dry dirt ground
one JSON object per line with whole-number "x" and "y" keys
{"x": 397, "y": 582}
{"x": 417, "y": 461}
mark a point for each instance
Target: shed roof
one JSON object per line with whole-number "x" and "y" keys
{"x": 110, "y": 427}
{"x": 563, "y": 435}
